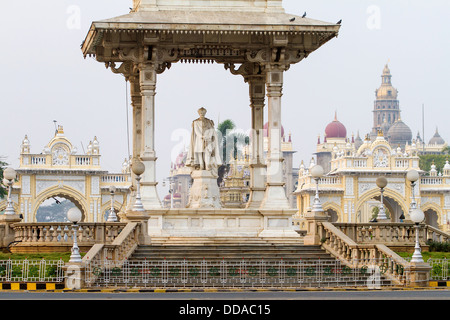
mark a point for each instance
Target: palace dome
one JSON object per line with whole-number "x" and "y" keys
{"x": 437, "y": 139}
{"x": 399, "y": 133}
{"x": 386, "y": 91}
{"x": 335, "y": 129}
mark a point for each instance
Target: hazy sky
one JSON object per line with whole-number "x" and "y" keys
{"x": 44, "y": 77}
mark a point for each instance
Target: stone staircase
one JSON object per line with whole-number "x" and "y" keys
{"x": 268, "y": 252}
{"x": 163, "y": 260}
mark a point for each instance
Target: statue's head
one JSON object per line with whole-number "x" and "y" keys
{"x": 202, "y": 112}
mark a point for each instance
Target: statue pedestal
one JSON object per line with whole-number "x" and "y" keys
{"x": 204, "y": 192}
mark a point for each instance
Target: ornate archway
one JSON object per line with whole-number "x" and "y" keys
{"x": 433, "y": 214}
{"x": 333, "y": 211}
{"x": 64, "y": 192}
{"x": 392, "y": 200}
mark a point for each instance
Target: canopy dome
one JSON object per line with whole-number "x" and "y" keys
{"x": 335, "y": 129}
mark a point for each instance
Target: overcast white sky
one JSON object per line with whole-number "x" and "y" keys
{"x": 44, "y": 77}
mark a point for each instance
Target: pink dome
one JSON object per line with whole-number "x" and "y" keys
{"x": 335, "y": 129}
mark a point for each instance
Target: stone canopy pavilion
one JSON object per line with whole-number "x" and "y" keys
{"x": 255, "y": 39}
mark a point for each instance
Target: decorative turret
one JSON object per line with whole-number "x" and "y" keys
{"x": 433, "y": 171}
{"x": 25, "y": 147}
{"x": 447, "y": 168}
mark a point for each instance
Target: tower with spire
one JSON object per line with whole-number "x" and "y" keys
{"x": 386, "y": 106}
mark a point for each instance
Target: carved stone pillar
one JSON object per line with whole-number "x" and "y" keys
{"x": 257, "y": 166}
{"x": 136, "y": 103}
{"x": 149, "y": 194}
{"x": 275, "y": 195}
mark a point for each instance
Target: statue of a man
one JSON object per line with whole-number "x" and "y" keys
{"x": 204, "y": 151}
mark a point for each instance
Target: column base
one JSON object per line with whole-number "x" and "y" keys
{"x": 275, "y": 197}
{"x": 149, "y": 196}
{"x": 256, "y": 198}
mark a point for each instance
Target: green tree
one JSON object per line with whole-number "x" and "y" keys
{"x": 232, "y": 143}
{"x": 425, "y": 161}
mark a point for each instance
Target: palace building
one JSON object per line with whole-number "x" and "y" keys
{"x": 348, "y": 190}
{"x": 60, "y": 170}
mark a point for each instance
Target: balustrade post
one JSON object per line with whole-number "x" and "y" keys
{"x": 8, "y": 221}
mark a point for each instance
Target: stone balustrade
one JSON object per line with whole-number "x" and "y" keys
{"x": 100, "y": 254}
{"x": 392, "y": 234}
{"x": 378, "y": 256}
{"x": 59, "y": 236}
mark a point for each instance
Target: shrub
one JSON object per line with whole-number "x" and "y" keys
{"x": 435, "y": 246}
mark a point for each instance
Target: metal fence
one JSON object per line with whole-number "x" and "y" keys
{"x": 31, "y": 270}
{"x": 440, "y": 269}
{"x": 236, "y": 273}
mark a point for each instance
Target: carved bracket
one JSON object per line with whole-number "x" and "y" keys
{"x": 246, "y": 70}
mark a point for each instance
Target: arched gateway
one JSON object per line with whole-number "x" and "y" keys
{"x": 252, "y": 38}
{"x": 61, "y": 171}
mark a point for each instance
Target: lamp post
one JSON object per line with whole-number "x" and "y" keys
{"x": 74, "y": 215}
{"x": 417, "y": 217}
{"x": 9, "y": 174}
{"x": 382, "y": 183}
{"x": 112, "y": 217}
{"x": 412, "y": 176}
{"x": 138, "y": 169}
{"x": 317, "y": 173}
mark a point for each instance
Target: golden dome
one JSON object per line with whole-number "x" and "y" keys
{"x": 386, "y": 91}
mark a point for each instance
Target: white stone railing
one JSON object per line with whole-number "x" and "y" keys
{"x": 330, "y": 180}
{"x": 116, "y": 178}
{"x": 82, "y": 160}
{"x": 362, "y": 163}
{"x": 403, "y": 163}
{"x": 61, "y": 234}
{"x": 437, "y": 235}
{"x": 38, "y": 160}
{"x": 359, "y": 255}
{"x": 120, "y": 249}
{"x": 431, "y": 180}
{"x": 385, "y": 233}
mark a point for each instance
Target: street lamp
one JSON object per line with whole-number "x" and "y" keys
{"x": 317, "y": 173}
{"x": 138, "y": 169}
{"x": 112, "y": 217}
{"x": 74, "y": 215}
{"x": 412, "y": 176}
{"x": 417, "y": 217}
{"x": 9, "y": 174}
{"x": 382, "y": 183}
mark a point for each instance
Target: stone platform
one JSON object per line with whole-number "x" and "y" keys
{"x": 192, "y": 224}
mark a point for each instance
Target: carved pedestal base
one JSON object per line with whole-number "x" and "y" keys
{"x": 204, "y": 192}
{"x": 275, "y": 197}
